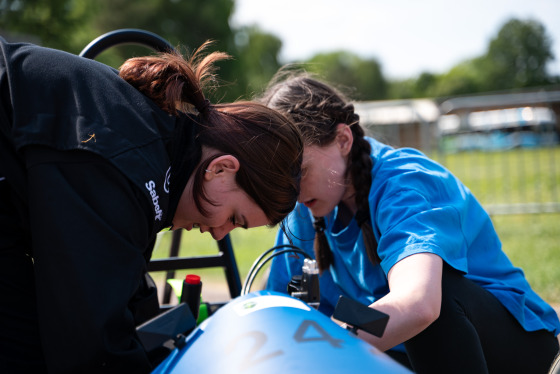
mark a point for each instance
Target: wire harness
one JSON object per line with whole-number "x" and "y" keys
{"x": 262, "y": 260}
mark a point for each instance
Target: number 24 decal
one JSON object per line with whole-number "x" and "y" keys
{"x": 306, "y": 332}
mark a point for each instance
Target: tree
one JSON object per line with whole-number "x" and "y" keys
{"x": 61, "y": 24}
{"x": 515, "y": 58}
{"x": 349, "y": 70}
{"x": 189, "y": 23}
{"x": 401, "y": 89}
{"x": 257, "y": 59}
{"x": 72, "y": 24}
{"x": 464, "y": 78}
{"x": 181, "y": 22}
{"x": 424, "y": 84}
{"x": 518, "y": 56}
{"x": 186, "y": 24}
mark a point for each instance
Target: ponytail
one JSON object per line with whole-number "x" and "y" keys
{"x": 270, "y": 167}
{"x": 172, "y": 81}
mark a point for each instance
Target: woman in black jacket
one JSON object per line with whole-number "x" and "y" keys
{"x": 94, "y": 162}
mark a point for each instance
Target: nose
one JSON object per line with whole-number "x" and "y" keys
{"x": 301, "y": 196}
{"x": 218, "y": 233}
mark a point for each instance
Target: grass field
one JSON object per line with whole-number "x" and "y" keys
{"x": 530, "y": 175}
{"x": 532, "y": 241}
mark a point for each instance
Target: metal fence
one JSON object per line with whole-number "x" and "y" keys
{"x": 520, "y": 179}
{"x": 508, "y": 157}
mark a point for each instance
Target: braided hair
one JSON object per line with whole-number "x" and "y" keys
{"x": 317, "y": 108}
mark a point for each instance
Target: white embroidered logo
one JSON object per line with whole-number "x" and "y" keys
{"x": 151, "y": 186}
{"x": 166, "y": 181}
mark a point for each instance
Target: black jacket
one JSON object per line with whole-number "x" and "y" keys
{"x": 89, "y": 158}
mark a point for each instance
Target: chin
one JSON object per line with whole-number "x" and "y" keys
{"x": 320, "y": 212}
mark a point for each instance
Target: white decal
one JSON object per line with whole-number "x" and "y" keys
{"x": 151, "y": 186}
{"x": 268, "y": 301}
{"x": 166, "y": 181}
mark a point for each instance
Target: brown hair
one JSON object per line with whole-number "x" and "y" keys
{"x": 266, "y": 143}
{"x": 317, "y": 109}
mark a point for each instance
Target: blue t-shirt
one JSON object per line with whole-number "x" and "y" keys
{"x": 416, "y": 206}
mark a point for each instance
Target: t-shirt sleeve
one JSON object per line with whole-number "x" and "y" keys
{"x": 420, "y": 213}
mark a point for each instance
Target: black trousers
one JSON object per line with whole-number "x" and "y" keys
{"x": 475, "y": 333}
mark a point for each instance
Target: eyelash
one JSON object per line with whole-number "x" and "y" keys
{"x": 232, "y": 219}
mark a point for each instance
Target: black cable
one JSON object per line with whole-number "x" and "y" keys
{"x": 256, "y": 267}
{"x": 265, "y": 253}
{"x": 251, "y": 275}
{"x": 259, "y": 267}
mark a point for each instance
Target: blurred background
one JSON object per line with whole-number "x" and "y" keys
{"x": 475, "y": 85}
{"x": 381, "y": 50}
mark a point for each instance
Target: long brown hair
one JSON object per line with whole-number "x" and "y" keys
{"x": 317, "y": 108}
{"x": 266, "y": 143}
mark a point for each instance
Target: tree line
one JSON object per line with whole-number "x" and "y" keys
{"x": 516, "y": 57}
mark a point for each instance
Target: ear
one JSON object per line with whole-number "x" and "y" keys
{"x": 344, "y": 138}
{"x": 222, "y": 165}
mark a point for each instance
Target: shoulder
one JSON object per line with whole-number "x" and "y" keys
{"x": 298, "y": 225}
{"x": 407, "y": 173}
{"x": 299, "y": 218}
{"x": 43, "y": 62}
{"x": 405, "y": 165}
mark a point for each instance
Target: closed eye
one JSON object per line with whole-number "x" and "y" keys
{"x": 238, "y": 224}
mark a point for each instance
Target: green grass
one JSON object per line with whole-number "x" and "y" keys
{"x": 530, "y": 175}
{"x": 247, "y": 245}
{"x": 532, "y": 241}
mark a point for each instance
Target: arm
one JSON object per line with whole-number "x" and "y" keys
{"x": 90, "y": 229}
{"x": 414, "y": 301}
{"x": 419, "y": 227}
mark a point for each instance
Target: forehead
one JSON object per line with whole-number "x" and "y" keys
{"x": 312, "y": 153}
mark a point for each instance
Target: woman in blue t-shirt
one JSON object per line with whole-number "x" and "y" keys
{"x": 395, "y": 230}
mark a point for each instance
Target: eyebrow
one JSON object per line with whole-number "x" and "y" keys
{"x": 244, "y": 225}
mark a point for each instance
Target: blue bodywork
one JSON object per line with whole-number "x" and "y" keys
{"x": 269, "y": 332}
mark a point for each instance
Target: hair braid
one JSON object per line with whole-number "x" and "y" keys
{"x": 323, "y": 253}
{"x": 317, "y": 109}
{"x": 360, "y": 171}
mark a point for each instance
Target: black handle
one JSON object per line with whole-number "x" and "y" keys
{"x": 125, "y": 36}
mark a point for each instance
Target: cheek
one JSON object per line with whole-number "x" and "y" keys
{"x": 337, "y": 171}
{"x": 306, "y": 180}
{"x": 312, "y": 181}
{"x": 213, "y": 217}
